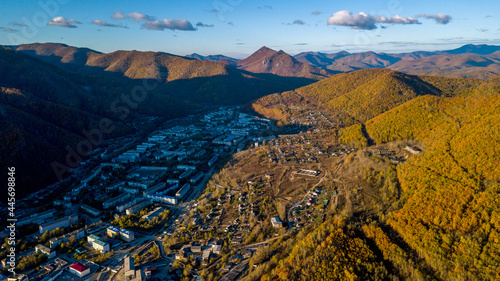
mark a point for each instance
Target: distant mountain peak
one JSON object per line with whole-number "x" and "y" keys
{"x": 264, "y": 48}
{"x": 266, "y": 60}
{"x": 480, "y": 49}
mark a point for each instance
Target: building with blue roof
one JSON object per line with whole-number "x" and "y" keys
{"x": 125, "y": 235}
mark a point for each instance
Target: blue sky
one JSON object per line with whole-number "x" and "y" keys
{"x": 239, "y": 27}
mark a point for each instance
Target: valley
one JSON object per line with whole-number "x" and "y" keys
{"x": 226, "y": 174}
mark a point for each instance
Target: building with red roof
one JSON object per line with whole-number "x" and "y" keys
{"x": 79, "y": 269}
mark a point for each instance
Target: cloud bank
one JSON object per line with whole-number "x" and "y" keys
{"x": 369, "y": 22}
{"x": 135, "y": 16}
{"x": 200, "y": 24}
{"x": 172, "y": 24}
{"x": 63, "y": 22}
{"x": 365, "y": 21}
{"x": 103, "y": 23}
{"x": 439, "y": 18}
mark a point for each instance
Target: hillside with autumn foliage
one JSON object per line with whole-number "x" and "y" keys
{"x": 443, "y": 219}
{"x": 451, "y": 212}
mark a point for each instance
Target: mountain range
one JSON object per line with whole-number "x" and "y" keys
{"x": 45, "y": 85}
{"x": 442, "y": 223}
{"x": 468, "y": 61}
{"x": 51, "y": 93}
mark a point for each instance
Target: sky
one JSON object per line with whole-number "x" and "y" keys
{"x": 237, "y": 28}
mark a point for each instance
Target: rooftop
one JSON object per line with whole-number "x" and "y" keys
{"x": 79, "y": 267}
{"x": 128, "y": 232}
{"x": 112, "y": 228}
{"x": 101, "y": 243}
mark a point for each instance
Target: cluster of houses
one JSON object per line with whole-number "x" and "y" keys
{"x": 202, "y": 252}
{"x": 165, "y": 168}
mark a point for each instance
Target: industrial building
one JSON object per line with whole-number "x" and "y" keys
{"x": 125, "y": 235}
{"x": 45, "y": 251}
{"x": 79, "y": 269}
{"x": 113, "y": 232}
{"x": 196, "y": 178}
{"x": 98, "y": 244}
{"x": 162, "y": 198}
{"x": 131, "y": 274}
{"x": 153, "y": 214}
{"x": 115, "y": 201}
{"x": 101, "y": 246}
{"x": 79, "y": 234}
{"x": 181, "y": 193}
{"x": 212, "y": 161}
{"x": 186, "y": 174}
{"x": 64, "y": 222}
{"x": 90, "y": 210}
{"x": 137, "y": 207}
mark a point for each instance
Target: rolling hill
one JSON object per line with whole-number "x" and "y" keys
{"x": 188, "y": 79}
{"x": 468, "y": 61}
{"x": 362, "y": 61}
{"x": 451, "y": 191}
{"x": 351, "y": 98}
{"x": 453, "y": 65}
{"x": 45, "y": 109}
{"x": 66, "y": 57}
{"x": 130, "y": 64}
{"x": 217, "y": 58}
{"x": 445, "y": 224}
{"x": 320, "y": 59}
{"x": 49, "y": 103}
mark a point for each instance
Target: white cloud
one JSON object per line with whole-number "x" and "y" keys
{"x": 439, "y": 18}
{"x": 63, "y": 22}
{"x": 139, "y": 16}
{"x": 118, "y": 16}
{"x": 365, "y": 21}
{"x": 135, "y": 16}
{"x": 396, "y": 19}
{"x": 357, "y": 21}
{"x": 172, "y": 24}
{"x": 103, "y": 23}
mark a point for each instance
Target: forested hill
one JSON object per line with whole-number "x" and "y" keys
{"x": 350, "y": 98}
{"x": 45, "y": 109}
{"x": 446, "y": 223}
{"x": 47, "y": 103}
{"x": 451, "y": 214}
{"x": 189, "y": 79}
